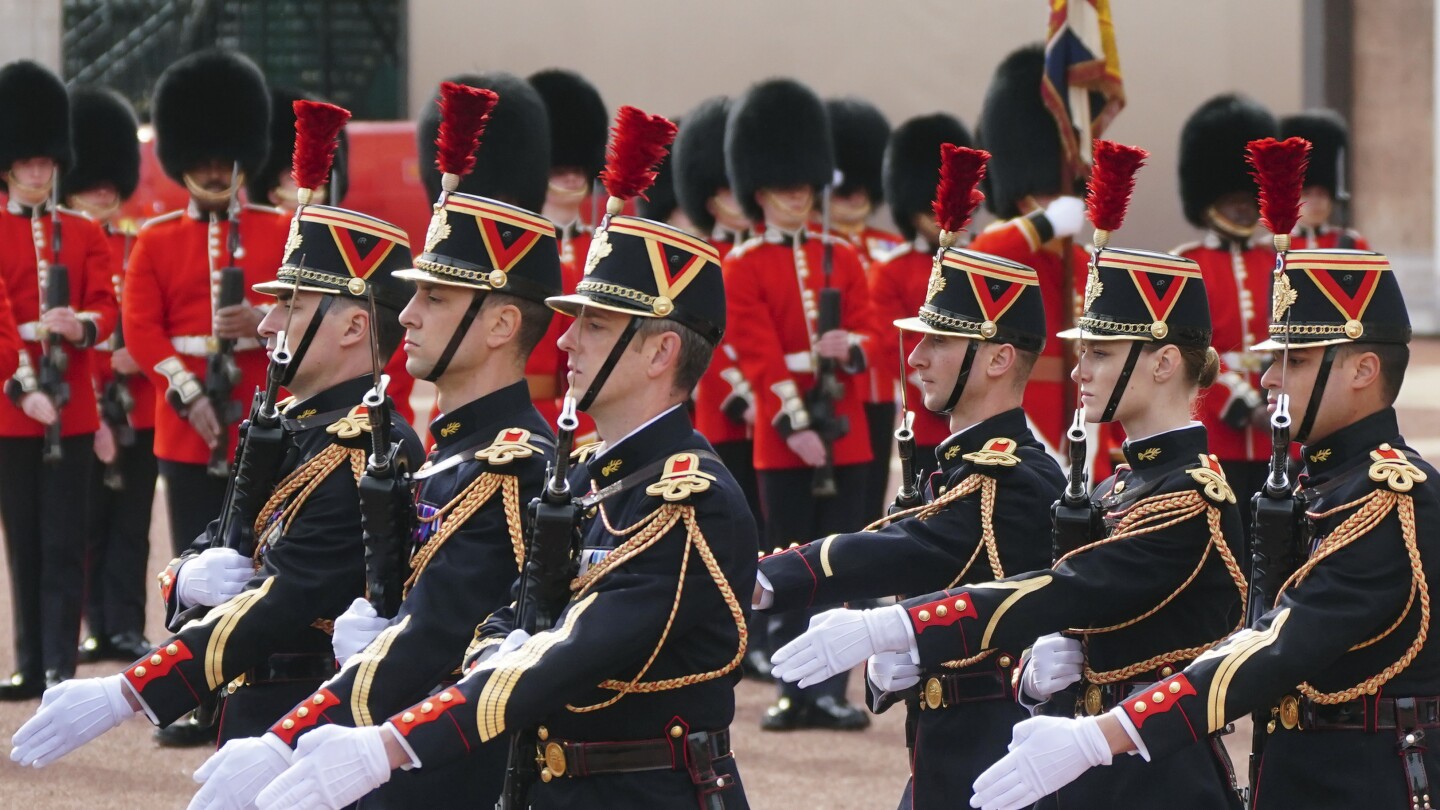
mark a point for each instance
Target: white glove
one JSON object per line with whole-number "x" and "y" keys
{"x": 839, "y": 640}
{"x": 892, "y": 672}
{"x": 1066, "y": 215}
{"x": 1046, "y": 754}
{"x": 333, "y": 766}
{"x": 1055, "y": 662}
{"x": 355, "y": 629}
{"x": 71, "y": 714}
{"x": 234, "y": 775}
{"x": 213, "y": 578}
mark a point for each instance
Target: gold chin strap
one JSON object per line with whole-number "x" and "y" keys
{"x": 205, "y": 195}
{"x": 42, "y": 190}
{"x": 1228, "y": 227}
{"x": 97, "y": 214}
{"x": 562, "y": 193}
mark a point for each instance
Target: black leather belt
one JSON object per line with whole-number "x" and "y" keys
{"x": 1361, "y": 714}
{"x": 945, "y": 689}
{"x": 571, "y": 759}
{"x": 307, "y": 667}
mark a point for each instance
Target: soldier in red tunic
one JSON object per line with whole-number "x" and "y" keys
{"x": 1325, "y": 181}
{"x": 1219, "y": 196}
{"x": 898, "y": 284}
{"x": 779, "y": 154}
{"x": 50, "y": 391}
{"x": 122, "y": 491}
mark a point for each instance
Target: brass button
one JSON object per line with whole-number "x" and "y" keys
{"x": 941, "y": 611}
{"x": 1005, "y": 661}
{"x": 407, "y": 717}
{"x": 1118, "y": 488}
{"x": 139, "y": 672}
{"x": 924, "y": 616}
{"x": 427, "y": 707}
{"x": 155, "y": 660}
{"x": 543, "y": 733}
{"x": 1140, "y": 706}
{"x": 172, "y": 650}
{"x": 288, "y": 724}
{"x": 1158, "y": 698}
{"x": 1166, "y": 672}
{"x": 676, "y": 731}
{"x": 446, "y": 697}
{"x": 303, "y": 711}
{"x": 960, "y": 604}
{"x": 1174, "y": 687}
{"x": 318, "y": 699}
{"x": 545, "y": 775}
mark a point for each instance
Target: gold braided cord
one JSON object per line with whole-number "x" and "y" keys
{"x": 648, "y": 531}
{"x": 987, "y": 486}
{"x": 460, "y": 509}
{"x": 961, "y": 663}
{"x": 301, "y": 484}
{"x": 1374, "y": 507}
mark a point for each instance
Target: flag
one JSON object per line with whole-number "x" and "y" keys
{"x": 1081, "y": 59}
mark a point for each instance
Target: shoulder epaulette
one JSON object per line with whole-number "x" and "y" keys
{"x": 1185, "y": 247}
{"x": 74, "y": 213}
{"x": 165, "y": 217}
{"x": 352, "y": 424}
{"x": 510, "y": 444}
{"x": 1211, "y": 477}
{"x": 995, "y": 453}
{"x": 1394, "y": 469}
{"x": 745, "y": 247}
{"x": 268, "y": 209}
{"x": 582, "y": 454}
{"x": 128, "y": 226}
{"x": 681, "y": 479}
{"x": 902, "y": 249}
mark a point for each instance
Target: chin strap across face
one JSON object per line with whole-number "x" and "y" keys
{"x": 1122, "y": 382}
{"x": 457, "y": 337}
{"x": 963, "y": 377}
{"x": 618, "y": 351}
{"x": 1327, "y": 361}
{"x": 288, "y": 375}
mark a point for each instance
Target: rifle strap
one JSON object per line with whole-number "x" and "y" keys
{"x": 610, "y": 362}
{"x": 288, "y": 375}
{"x": 1327, "y": 361}
{"x": 643, "y": 475}
{"x": 476, "y": 300}
{"x": 963, "y": 377}
{"x": 1122, "y": 382}
{"x": 467, "y": 453}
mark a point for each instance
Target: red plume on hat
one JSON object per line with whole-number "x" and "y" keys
{"x": 464, "y": 111}
{"x": 317, "y": 129}
{"x": 1280, "y": 173}
{"x": 957, "y": 195}
{"x": 1112, "y": 182}
{"x": 639, "y": 142}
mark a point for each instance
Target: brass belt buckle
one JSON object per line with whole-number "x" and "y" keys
{"x": 934, "y": 694}
{"x": 1290, "y": 712}
{"x": 554, "y": 762}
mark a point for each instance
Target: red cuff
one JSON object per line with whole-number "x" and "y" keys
{"x": 304, "y": 716}
{"x": 942, "y": 612}
{"x": 431, "y": 709}
{"x": 157, "y": 666}
{"x": 1160, "y": 698}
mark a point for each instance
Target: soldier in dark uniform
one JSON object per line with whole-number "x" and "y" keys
{"x": 491, "y": 452}
{"x": 1325, "y": 181}
{"x": 780, "y": 157}
{"x": 44, "y": 525}
{"x": 977, "y": 522}
{"x": 269, "y": 646}
{"x": 1156, "y": 587}
{"x": 1341, "y": 664}
{"x": 122, "y": 491}
{"x": 633, "y": 687}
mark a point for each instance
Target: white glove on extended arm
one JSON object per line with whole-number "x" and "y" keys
{"x": 333, "y": 766}
{"x": 1046, "y": 754}
{"x": 233, "y": 776}
{"x": 355, "y": 629}
{"x": 839, "y": 640}
{"x": 71, "y": 714}
{"x": 212, "y": 578}
{"x": 1055, "y": 662}
{"x": 1066, "y": 215}
{"x": 892, "y": 672}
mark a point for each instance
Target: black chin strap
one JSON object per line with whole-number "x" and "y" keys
{"x": 457, "y": 337}
{"x": 963, "y": 377}
{"x": 1122, "y": 382}
{"x": 1313, "y": 406}
{"x": 288, "y": 375}
{"x": 615, "y": 354}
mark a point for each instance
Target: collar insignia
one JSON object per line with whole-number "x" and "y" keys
{"x": 450, "y": 429}
{"x": 1148, "y": 454}
{"x": 1321, "y": 455}
{"x": 611, "y": 467}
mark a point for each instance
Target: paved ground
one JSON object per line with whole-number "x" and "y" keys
{"x": 803, "y": 769}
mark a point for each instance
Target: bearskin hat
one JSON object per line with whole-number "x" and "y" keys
{"x": 859, "y": 131}
{"x": 777, "y": 136}
{"x": 579, "y": 122}
{"x": 36, "y": 119}
{"x": 1212, "y": 151}
{"x": 659, "y": 202}
{"x": 210, "y": 105}
{"x": 1329, "y": 138}
{"x": 107, "y": 143}
{"x": 698, "y": 158}
{"x": 1020, "y": 135}
{"x": 512, "y": 164}
{"x": 912, "y": 165}
{"x": 282, "y": 150}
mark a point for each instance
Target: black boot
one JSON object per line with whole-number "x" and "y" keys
{"x": 22, "y": 687}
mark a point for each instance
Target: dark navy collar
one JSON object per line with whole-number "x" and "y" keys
{"x": 1009, "y": 424}
{"x": 28, "y": 211}
{"x": 1167, "y": 448}
{"x": 662, "y": 436}
{"x": 488, "y": 414}
{"x": 337, "y": 398}
{"x": 1327, "y": 456}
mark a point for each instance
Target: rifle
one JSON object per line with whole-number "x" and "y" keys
{"x": 1072, "y": 520}
{"x": 116, "y": 404}
{"x": 54, "y": 361}
{"x": 828, "y": 390}
{"x": 222, "y": 373}
{"x": 386, "y": 497}
{"x": 548, "y": 553}
{"x": 908, "y": 497}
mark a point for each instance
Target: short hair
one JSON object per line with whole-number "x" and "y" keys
{"x": 388, "y": 331}
{"x": 1394, "y": 359}
{"x": 1024, "y": 364}
{"x": 535, "y": 319}
{"x": 695, "y": 351}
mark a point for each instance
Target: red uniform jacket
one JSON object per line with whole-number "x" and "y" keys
{"x": 1046, "y": 395}
{"x": 10, "y": 344}
{"x": 897, "y": 290}
{"x": 720, "y": 379}
{"x": 84, "y": 252}
{"x": 1237, "y": 282}
{"x": 142, "y": 416}
{"x": 873, "y": 246}
{"x": 169, "y": 302}
{"x": 1327, "y": 237}
{"x": 771, "y": 331}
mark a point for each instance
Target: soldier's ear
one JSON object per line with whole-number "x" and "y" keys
{"x": 1002, "y": 359}
{"x": 504, "y": 323}
{"x": 1166, "y": 363}
{"x": 357, "y": 326}
{"x": 1363, "y": 371}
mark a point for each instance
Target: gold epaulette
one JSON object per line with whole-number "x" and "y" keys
{"x": 996, "y": 453}
{"x": 1212, "y": 477}
{"x": 509, "y": 444}
{"x": 351, "y": 424}
{"x": 681, "y": 479}
{"x": 584, "y": 452}
{"x": 1390, "y": 467}
{"x": 165, "y": 217}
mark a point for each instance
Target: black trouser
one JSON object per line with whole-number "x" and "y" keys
{"x": 193, "y": 498}
{"x": 119, "y": 541}
{"x": 43, "y": 509}
{"x": 794, "y": 515}
{"x": 880, "y": 416}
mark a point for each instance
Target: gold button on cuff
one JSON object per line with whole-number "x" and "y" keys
{"x": 1158, "y": 697}
{"x": 1140, "y": 706}
{"x": 924, "y": 616}
{"x": 941, "y": 611}
{"x": 446, "y": 697}
{"x": 139, "y": 672}
{"x": 407, "y": 717}
{"x": 1174, "y": 687}
{"x": 960, "y": 604}
{"x": 155, "y": 660}
{"x": 288, "y": 724}
{"x": 303, "y": 711}
{"x": 427, "y": 707}
{"x": 172, "y": 650}
{"x": 318, "y": 699}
